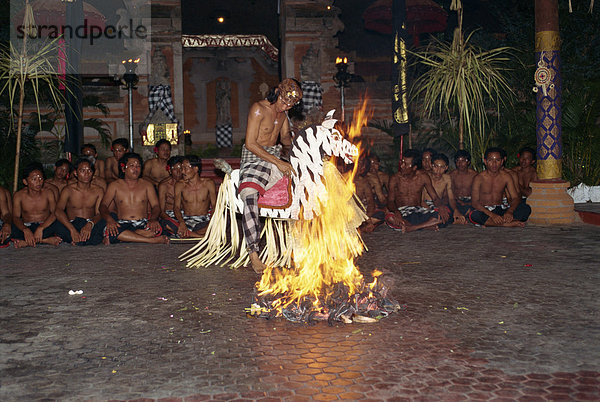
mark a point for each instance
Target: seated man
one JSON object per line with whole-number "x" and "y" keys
{"x": 195, "y": 196}
{"x": 112, "y": 170}
{"x": 5, "y": 216}
{"x": 488, "y": 190}
{"x": 378, "y": 180}
{"x": 62, "y": 170}
{"x": 364, "y": 192}
{"x": 131, "y": 196}
{"x": 442, "y": 183}
{"x": 166, "y": 196}
{"x": 526, "y": 172}
{"x": 462, "y": 181}
{"x": 155, "y": 169}
{"x": 89, "y": 151}
{"x": 34, "y": 221}
{"x": 404, "y": 198}
{"x": 426, "y": 162}
{"x": 78, "y": 208}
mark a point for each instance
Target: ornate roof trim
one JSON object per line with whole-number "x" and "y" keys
{"x": 259, "y": 41}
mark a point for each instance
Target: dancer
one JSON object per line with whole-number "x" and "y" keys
{"x": 267, "y": 122}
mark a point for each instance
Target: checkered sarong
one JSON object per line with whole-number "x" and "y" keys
{"x": 159, "y": 97}
{"x": 254, "y": 178}
{"x": 224, "y": 135}
{"x": 311, "y": 95}
{"x": 196, "y": 222}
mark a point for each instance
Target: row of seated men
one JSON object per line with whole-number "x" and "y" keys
{"x": 77, "y": 206}
{"x": 422, "y": 195}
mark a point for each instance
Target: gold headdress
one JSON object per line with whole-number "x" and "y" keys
{"x": 290, "y": 91}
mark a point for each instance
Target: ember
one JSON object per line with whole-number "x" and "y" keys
{"x": 323, "y": 282}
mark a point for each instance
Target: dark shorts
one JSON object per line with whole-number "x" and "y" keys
{"x": 196, "y": 222}
{"x": 78, "y": 223}
{"x": 131, "y": 225}
{"x": 50, "y": 231}
{"x": 170, "y": 225}
{"x": 417, "y": 215}
{"x": 521, "y": 213}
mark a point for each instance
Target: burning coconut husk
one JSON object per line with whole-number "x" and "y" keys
{"x": 323, "y": 282}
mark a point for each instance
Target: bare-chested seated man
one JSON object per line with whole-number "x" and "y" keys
{"x": 442, "y": 183}
{"x": 462, "y": 181}
{"x": 526, "y": 172}
{"x": 488, "y": 190}
{"x": 62, "y": 171}
{"x": 78, "y": 208}
{"x": 131, "y": 196}
{"x": 195, "y": 197}
{"x": 404, "y": 198}
{"x": 5, "y": 217}
{"x": 112, "y": 171}
{"x": 166, "y": 196}
{"x": 34, "y": 221}
{"x": 267, "y": 122}
{"x": 155, "y": 169}
{"x": 364, "y": 191}
{"x": 426, "y": 162}
{"x": 379, "y": 180}
{"x": 89, "y": 151}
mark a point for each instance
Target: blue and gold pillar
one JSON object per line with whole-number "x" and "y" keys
{"x": 549, "y": 91}
{"x": 549, "y": 201}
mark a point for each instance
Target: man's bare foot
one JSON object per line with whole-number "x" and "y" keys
{"x": 257, "y": 265}
{"x": 105, "y": 240}
{"x": 19, "y": 243}
{"x": 514, "y": 224}
{"x": 159, "y": 240}
{"x": 54, "y": 240}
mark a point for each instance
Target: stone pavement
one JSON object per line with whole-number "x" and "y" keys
{"x": 503, "y": 314}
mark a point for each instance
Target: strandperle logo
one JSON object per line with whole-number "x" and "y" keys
{"x": 85, "y": 31}
{"x": 90, "y": 37}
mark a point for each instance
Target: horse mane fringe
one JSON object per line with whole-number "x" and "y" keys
{"x": 216, "y": 249}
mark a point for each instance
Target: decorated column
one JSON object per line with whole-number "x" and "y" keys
{"x": 550, "y": 203}
{"x": 549, "y": 90}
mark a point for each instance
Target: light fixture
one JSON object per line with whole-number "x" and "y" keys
{"x": 342, "y": 79}
{"x": 130, "y": 79}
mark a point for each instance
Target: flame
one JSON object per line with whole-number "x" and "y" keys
{"x": 326, "y": 246}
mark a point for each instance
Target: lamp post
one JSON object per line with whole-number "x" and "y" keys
{"x": 130, "y": 79}
{"x": 342, "y": 80}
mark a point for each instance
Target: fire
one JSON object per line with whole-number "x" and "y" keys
{"x": 323, "y": 274}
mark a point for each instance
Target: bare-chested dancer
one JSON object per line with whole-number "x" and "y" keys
{"x": 488, "y": 190}
{"x": 62, "y": 171}
{"x": 166, "y": 196}
{"x": 462, "y": 181}
{"x": 404, "y": 198}
{"x": 34, "y": 221}
{"x": 119, "y": 147}
{"x": 132, "y": 196}
{"x": 89, "y": 151}
{"x": 78, "y": 208}
{"x": 155, "y": 170}
{"x": 5, "y": 216}
{"x": 267, "y": 122}
{"x": 442, "y": 183}
{"x": 525, "y": 171}
{"x": 195, "y": 196}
